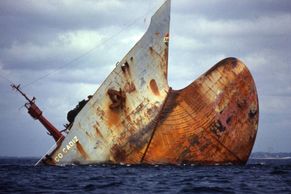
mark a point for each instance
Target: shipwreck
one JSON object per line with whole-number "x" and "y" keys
{"x": 136, "y": 118}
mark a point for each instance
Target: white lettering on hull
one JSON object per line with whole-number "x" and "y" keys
{"x": 66, "y": 149}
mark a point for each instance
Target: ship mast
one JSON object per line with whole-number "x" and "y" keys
{"x": 36, "y": 114}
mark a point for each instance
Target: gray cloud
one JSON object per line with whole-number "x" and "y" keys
{"x": 225, "y": 9}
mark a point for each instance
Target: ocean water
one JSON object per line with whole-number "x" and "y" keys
{"x": 19, "y": 175}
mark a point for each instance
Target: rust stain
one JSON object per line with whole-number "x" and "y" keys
{"x": 98, "y": 133}
{"x": 129, "y": 87}
{"x": 82, "y": 151}
{"x": 166, "y": 62}
{"x": 152, "y": 110}
{"x": 113, "y": 118}
{"x": 131, "y": 145}
{"x": 155, "y": 54}
{"x": 154, "y": 87}
{"x": 100, "y": 113}
{"x": 118, "y": 154}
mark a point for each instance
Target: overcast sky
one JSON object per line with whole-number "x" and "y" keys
{"x": 60, "y": 51}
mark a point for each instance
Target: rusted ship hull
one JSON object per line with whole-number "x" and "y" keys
{"x": 212, "y": 121}
{"x": 135, "y": 117}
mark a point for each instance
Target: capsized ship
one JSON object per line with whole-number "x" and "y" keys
{"x": 136, "y": 118}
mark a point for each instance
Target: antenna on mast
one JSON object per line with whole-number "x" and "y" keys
{"x": 35, "y": 112}
{"x": 17, "y": 87}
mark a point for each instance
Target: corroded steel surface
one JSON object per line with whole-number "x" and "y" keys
{"x": 134, "y": 117}
{"x": 213, "y": 120}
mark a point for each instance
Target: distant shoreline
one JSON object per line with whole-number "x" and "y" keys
{"x": 268, "y": 155}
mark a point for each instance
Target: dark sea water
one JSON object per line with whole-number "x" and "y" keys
{"x": 19, "y": 175}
